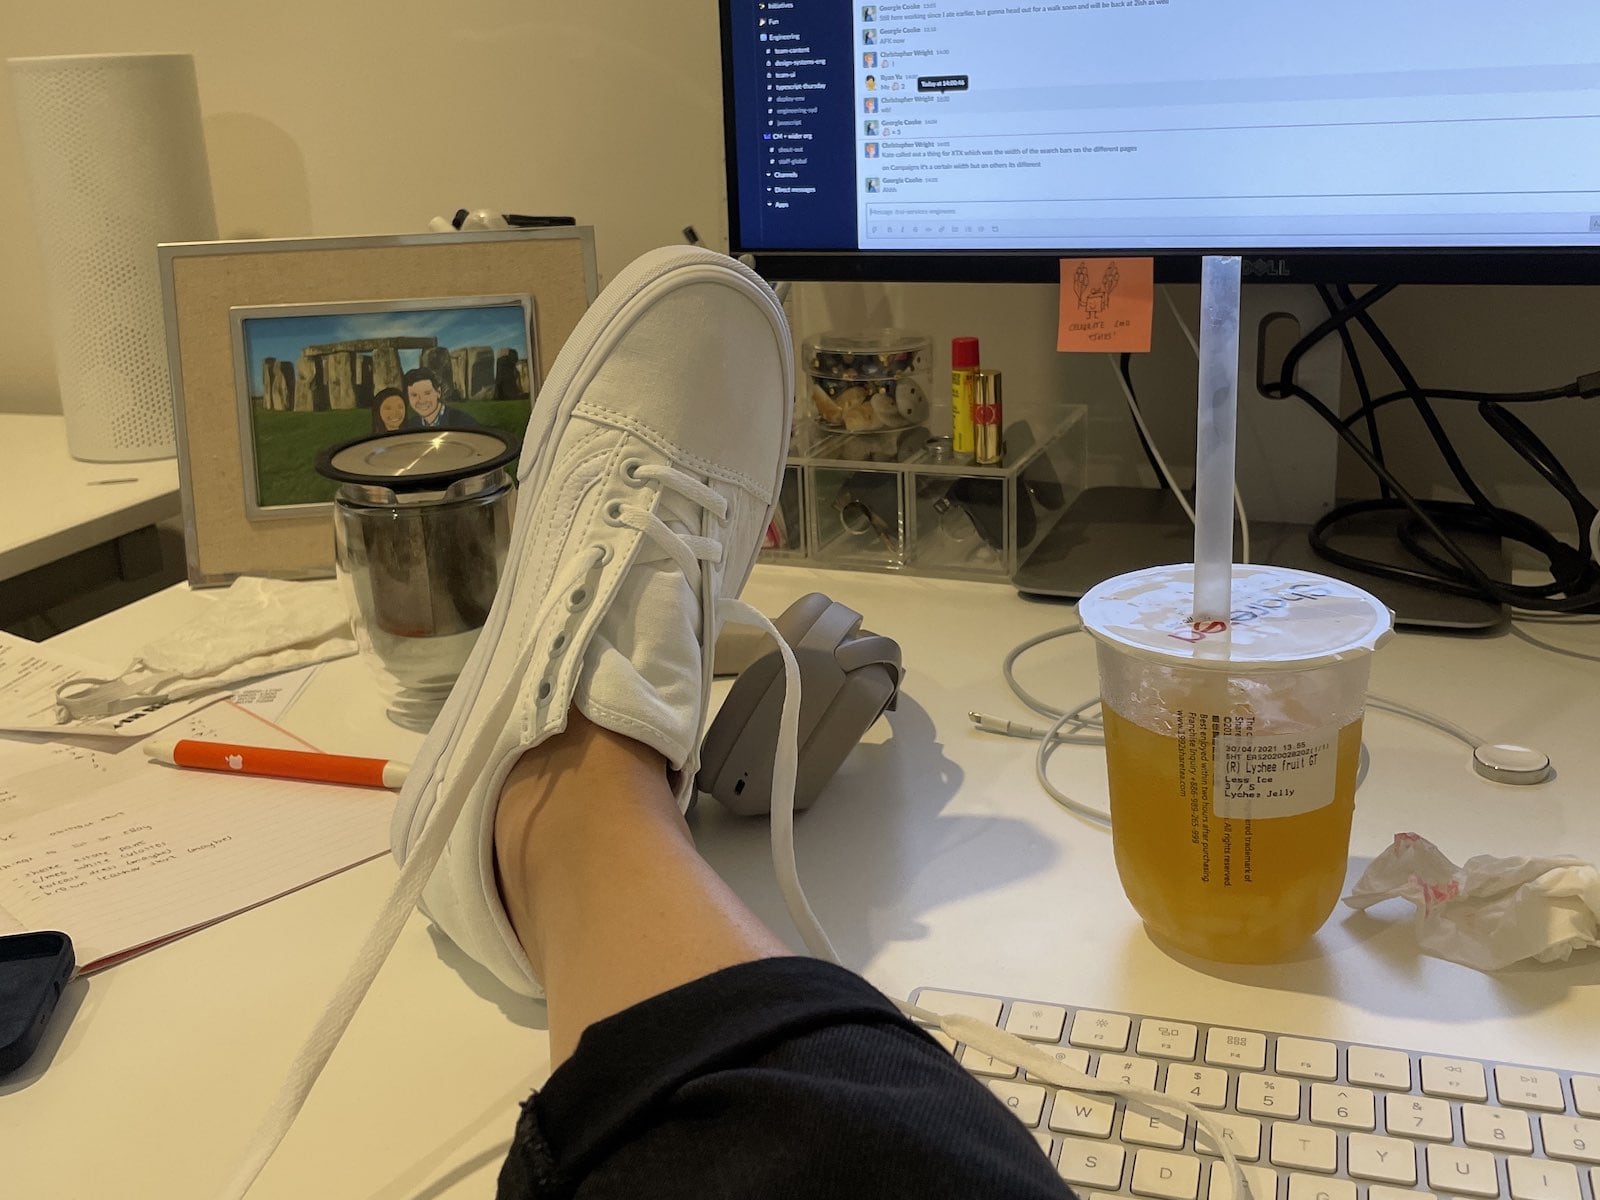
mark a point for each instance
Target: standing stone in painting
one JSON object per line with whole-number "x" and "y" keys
{"x": 507, "y": 382}
{"x": 339, "y": 376}
{"x": 386, "y": 372}
{"x": 437, "y": 360}
{"x": 310, "y": 395}
{"x": 277, "y": 385}
{"x": 480, "y": 373}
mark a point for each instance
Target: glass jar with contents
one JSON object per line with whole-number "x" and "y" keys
{"x": 422, "y": 523}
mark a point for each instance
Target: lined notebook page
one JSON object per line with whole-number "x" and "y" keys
{"x": 122, "y": 853}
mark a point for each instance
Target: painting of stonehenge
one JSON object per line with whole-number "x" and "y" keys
{"x": 347, "y": 373}
{"x": 315, "y": 376}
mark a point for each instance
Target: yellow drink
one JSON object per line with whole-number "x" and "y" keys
{"x": 1232, "y": 890}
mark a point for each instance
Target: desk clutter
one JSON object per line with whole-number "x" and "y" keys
{"x": 898, "y": 499}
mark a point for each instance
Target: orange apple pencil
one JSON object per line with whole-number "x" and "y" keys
{"x": 285, "y": 764}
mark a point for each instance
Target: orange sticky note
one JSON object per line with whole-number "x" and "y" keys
{"x": 1107, "y": 305}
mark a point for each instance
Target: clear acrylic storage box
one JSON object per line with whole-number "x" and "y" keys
{"x": 895, "y": 501}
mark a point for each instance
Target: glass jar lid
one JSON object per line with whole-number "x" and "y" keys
{"x": 419, "y": 466}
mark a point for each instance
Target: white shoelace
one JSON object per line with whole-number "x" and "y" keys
{"x": 986, "y": 1038}
{"x": 686, "y": 550}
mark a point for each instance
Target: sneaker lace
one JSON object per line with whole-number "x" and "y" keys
{"x": 983, "y": 1037}
{"x": 686, "y": 550}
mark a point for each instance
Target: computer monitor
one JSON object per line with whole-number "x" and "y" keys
{"x": 1431, "y": 141}
{"x": 1367, "y": 141}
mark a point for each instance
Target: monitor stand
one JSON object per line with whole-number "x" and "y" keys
{"x": 1111, "y": 530}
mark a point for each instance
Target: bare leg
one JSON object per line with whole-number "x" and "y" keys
{"x": 603, "y": 884}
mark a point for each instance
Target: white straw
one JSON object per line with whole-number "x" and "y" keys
{"x": 1214, "y": 439}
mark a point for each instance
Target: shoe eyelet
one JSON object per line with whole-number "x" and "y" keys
{"x": 544, "y": 691}
{"x": 603, "y": 558}
{"x": 559, "y": 644}
{"x": 577, "y": 598}
{"x": 630, "y": 471}
{"x": 613, "y": 513}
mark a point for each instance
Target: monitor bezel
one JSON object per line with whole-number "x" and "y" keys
{"x": 1542, "y": 266}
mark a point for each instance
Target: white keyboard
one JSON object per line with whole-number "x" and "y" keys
{"x": 1309, "y": 1118}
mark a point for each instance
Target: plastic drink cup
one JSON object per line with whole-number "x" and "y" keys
{"x": 1232, "y": 749}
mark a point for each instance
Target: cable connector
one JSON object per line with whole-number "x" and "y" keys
{"x": 1003, "y": 727}
{"x": 1589, "y": 385}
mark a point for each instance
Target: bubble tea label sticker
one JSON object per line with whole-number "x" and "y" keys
{"x": 1261, "y": 777}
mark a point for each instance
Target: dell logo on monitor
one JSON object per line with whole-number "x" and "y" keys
{"x": 1265, "y": 268}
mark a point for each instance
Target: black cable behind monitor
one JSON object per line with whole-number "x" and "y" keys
{"x": 1443, "y": 565}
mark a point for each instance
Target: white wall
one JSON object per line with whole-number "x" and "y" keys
{"x": 357, "y": 117}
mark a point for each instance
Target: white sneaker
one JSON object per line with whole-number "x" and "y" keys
{"x": 649, "y": 473}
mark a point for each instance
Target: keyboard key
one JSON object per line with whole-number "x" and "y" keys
{"x": 1571, "y": 1137}
{"x": 1205, "y": 1086}
{"x": 1372, "y": 1067}
{"x": 1310, "y": 1147}
{"x": 1418, "y": 1117}
{"x": 1586, "y": 1098}
{"x": 1042, "y": 1140}
{"x": 1306, "y": 1058}
{"x": 1594, "y": 1181}
{"x": 1268, "y": 1096}
{"x": 1102, "y": 1030}
{"x": 943, "y": 1038}
{"x": 1533, "y": 1179}
{"x": 1316, "y": 1187}
{"x": 1379, "y": 1192}
{"x": 1126, "y": 1070}
{"x": 1524, "y": 1087}
{"x": 1075, "y": 1113}
{"x": 1077, "y": 1059}
{"x": 1242, "y": 1134}
{"x": 1166, "y": 1039}
{"x": 1026, "y": 1100}
{"x": 980, "y": 1063}
{"x": 1458, "y": 1078}
{"x": 1236, "y": 1048}
{"x": 1146, "y": 1125}
{"x": 1493, "y": 1128}
{"x": 1092, "y": 1164}
{"x": 1462, "y": 1172}
{"x": 1344, "y": 1107}
{"x": 1166, "y": 1176}
{"x": 1036, "y": 1022}
{"x": 1385, "y": 1159}
{"x": 1263, "y": 1182}
{"x": 983, "y": 1008}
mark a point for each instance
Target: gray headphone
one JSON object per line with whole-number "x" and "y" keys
{"x": 848, "y": 679}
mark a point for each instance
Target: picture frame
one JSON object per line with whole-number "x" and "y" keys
{"x": 311, "y": 376}
{"x": 210, "y": 291}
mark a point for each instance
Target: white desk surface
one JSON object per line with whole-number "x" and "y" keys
{"x": 55, "y": 505}
{"x": 933, "y": 859}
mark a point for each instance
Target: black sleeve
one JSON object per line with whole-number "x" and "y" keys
{"x": 786, "y": 1077}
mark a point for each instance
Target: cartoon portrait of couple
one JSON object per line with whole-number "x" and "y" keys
{"x": 418, "y": 403}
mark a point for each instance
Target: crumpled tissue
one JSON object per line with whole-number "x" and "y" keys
{"x": 257, "y": 627}
{"x": 1492, "y": 912}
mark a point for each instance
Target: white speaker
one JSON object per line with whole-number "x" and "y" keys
{"x": 116, "y": 162}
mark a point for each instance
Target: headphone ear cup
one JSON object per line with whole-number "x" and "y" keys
{"x": 839, "y": 703}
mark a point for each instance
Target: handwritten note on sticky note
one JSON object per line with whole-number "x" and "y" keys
{"x": 1107, "y": 305}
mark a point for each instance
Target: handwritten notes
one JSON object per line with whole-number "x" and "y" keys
{"x": 122, "y": 853}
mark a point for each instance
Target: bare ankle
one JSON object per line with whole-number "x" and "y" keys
{"x": 567, "y": 800}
